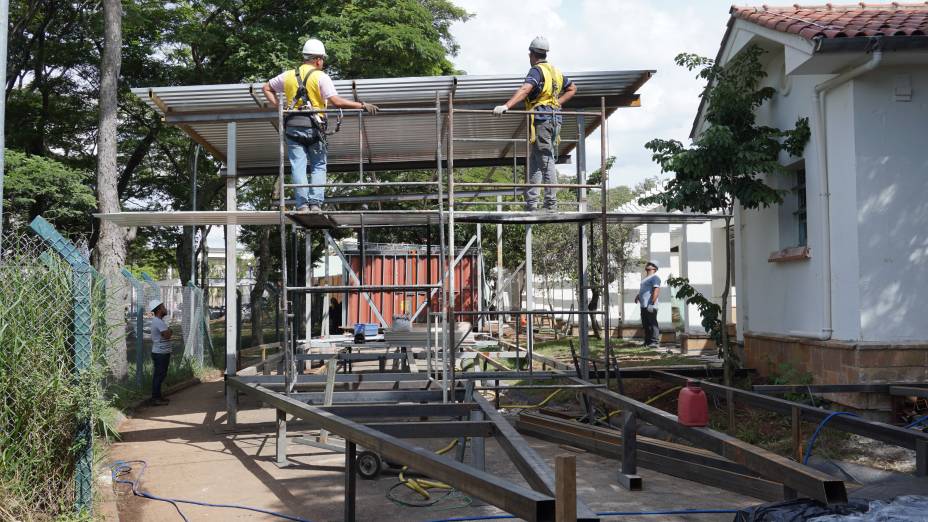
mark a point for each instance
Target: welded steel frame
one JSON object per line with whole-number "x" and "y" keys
{"x": 519, "y": 500}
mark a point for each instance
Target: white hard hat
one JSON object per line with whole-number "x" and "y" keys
{"x": 314, "y": 47}
{"x": 539, "y": 44}
{"x": 154, "y": 303}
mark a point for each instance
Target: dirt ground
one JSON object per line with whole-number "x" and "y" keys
{"x": 191, "y": 455}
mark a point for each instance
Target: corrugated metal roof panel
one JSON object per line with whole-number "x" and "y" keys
{"x": 390, "y": 138}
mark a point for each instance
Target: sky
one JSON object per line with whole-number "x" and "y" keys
{"x": 588, "y": 35}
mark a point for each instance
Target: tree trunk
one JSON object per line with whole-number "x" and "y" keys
{"x": 257, "y": 291}
{"x": 110, "y": 252}
{"x": 726, "y": 345}
{"x": 593, "y": 306}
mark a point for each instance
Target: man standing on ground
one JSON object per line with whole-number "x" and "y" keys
{"x": 306, "y": 86}
{"x": 160, "y": 350}
{"x": 647, "y": 299}
{"x": 545, "y": 90}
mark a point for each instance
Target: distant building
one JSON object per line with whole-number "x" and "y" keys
{"x": 833, "y": 281}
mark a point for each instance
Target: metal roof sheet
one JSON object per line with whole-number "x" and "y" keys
{"x": 390, "y": 138}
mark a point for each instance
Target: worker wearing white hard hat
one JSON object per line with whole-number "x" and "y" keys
{"x": 160, "y": 350}
{"x": 544, "y": 91}
{"x": 306, "y": 86}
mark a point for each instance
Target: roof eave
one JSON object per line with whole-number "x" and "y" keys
{"x": 869, "y": 43}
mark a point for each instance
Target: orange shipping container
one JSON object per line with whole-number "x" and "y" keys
{"x": 408, "y": 265}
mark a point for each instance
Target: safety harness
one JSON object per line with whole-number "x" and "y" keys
{"x": 317, "y": 121}
{"x": 550, "y": 90}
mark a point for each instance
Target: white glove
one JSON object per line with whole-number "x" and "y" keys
{"x": 499, "y": 110}
{"x": 651, "y": 308}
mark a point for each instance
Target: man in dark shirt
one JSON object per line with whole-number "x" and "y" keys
{"x": 544, "y": 91}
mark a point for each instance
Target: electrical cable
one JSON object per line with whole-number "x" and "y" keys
{"x": 421, "y": 485}
{"x": 122, "y": 468}
{"x": 606, "y": 514}
{"x": 541, "y": 404}
{"x": 818, "y": 430}
{"x": 917, "y": 422}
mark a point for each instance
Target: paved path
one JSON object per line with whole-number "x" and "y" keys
{"x": 190, "y": 455}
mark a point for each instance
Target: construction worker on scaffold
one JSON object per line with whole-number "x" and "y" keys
{"x": 544, "y": 91}
{"x": 307, "y": 86}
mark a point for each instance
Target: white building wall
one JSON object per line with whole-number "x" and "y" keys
{"x": 696, "y": 254}
{"x": 892, "y": 203}
{"x": 781, "y": 297}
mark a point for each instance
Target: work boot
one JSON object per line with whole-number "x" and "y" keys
{"x": 303, "y": 208}
{"x": 550, "y": 210}
{"x": 160, "y": 402}
{"x": 315, "y": 208}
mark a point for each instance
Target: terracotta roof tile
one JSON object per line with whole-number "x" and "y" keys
{"x": 841, "y": 21}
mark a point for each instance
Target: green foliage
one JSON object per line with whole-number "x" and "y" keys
{"x": 729, "y": 160}
{"x": 35, "y": 185}
{"x": 42, "y": 401}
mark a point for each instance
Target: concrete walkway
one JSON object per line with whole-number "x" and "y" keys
{"x": 191, "y": 455}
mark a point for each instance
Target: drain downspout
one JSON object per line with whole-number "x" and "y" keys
{"x": 818, "y": 107}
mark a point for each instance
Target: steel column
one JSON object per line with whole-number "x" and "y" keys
{"x": 231, "y": 275}
{"x": 351, "y": 480}
{"x": 583, "y": 262}
{"x": 628, "y": 475}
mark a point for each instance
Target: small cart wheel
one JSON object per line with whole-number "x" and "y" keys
{"x": 369, "y": 465}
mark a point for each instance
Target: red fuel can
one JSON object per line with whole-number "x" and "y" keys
{"x": 692, "y": 406}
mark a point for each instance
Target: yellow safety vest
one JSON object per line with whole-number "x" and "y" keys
{"x": 550, "y": 90}
{"x": 312, "y": 87}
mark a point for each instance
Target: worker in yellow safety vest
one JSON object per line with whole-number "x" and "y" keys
{"x": 545, "y": 90}
{"x": 308, "y": 87}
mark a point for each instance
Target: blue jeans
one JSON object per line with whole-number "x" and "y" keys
{"x": 316, "y": 156}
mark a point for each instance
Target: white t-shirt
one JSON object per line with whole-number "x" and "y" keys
{"x": 326, "y": 85}
{"x": 159, "y": 345}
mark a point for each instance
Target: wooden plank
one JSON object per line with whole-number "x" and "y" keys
{"x": 565, "y": 496}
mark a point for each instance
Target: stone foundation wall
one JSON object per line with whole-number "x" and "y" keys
{"x": 841, "y": 362}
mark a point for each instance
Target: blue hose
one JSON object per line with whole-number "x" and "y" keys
{"x": 818, "y": 430}
{"x": 917, "y": 422}
{"x": 606, "y": 514}
{"x": 122, "y": 468}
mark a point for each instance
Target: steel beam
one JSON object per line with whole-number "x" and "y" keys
{"x": 512, "y": 498}
{"x": 873, "y": 430}
{"x": 808, "y": 481}
{"x": 366, "y": 396}
{"x": 395, "y": 411}
{"x": 771, "y": 389}
{"x": 435, "y": 429}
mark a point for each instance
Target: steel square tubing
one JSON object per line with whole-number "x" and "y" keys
{"x": 909, "y": 391}
{"x": 271, "y": 380}
{"x": 363, "y": 396}
{"x": 768, "y": 389}
{"x": 368, "y": 411}
{"x": 873, "y": 430}
{"x": 803, "y": 479}
{"x": 512, "y": 498}
{"x": 435, "y": 429}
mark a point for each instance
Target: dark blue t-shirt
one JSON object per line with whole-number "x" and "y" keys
{"x": 535, "y": 78}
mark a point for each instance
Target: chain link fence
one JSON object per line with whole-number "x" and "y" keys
{"x": 53, "y": 344}
{"x": 195, "y": 324}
